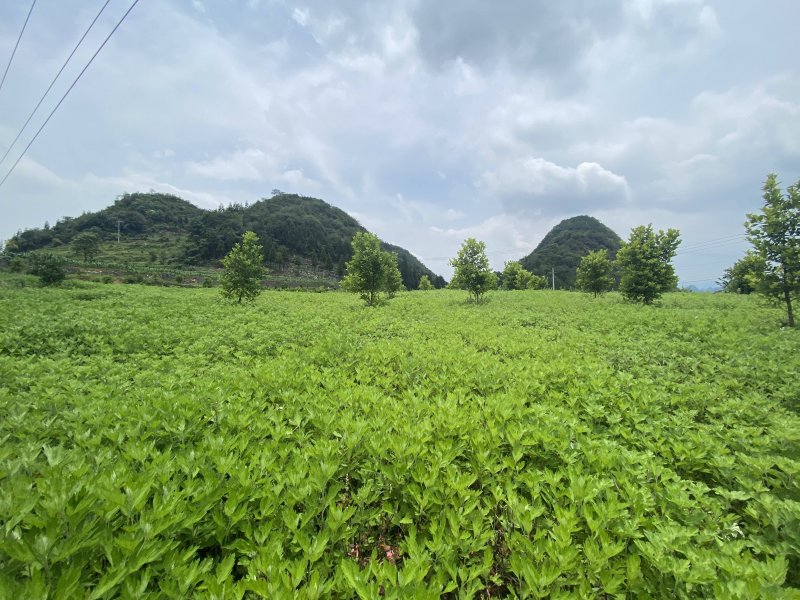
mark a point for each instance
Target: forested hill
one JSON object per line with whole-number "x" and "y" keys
{"x": 564, "y": 246}
{"x": 291, "y": 228}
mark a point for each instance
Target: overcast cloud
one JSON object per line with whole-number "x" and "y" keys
{"x": 428, "y": 121}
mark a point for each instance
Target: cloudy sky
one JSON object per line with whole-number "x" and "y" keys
{"x": 429, "y": 121}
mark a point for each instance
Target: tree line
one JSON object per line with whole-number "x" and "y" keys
{"x": 643, "y": 264}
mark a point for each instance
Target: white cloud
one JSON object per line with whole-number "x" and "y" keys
{"x": 301, "y": 16}
{"x": 495, "y": 119}
{"x": 252, "y": 164}
{"x": 538, "y": 186}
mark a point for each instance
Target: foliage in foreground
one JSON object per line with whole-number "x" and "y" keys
{"x": 371, "y": 271}
{"x": 553, "y": 446}
{"x": 645, "y": 266}
{"x": 243, "y": 269}
{"x": 775, "y": 235}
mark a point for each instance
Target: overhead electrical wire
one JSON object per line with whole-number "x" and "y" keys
{"x": 14, "y": 51}
{"x": 714, "y": 241}
{"x": 52, "y": 83}
{"x": 705, "y": 249}
{"x": 36, "y": 135}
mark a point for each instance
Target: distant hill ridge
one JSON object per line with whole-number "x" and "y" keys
{"x": 563, "y": 247}
{"x": 290, "y": 227}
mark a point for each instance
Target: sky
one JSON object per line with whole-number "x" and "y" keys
{"x": 428, "y": 121}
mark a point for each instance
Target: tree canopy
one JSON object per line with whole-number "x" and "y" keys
{"x": 645, "y": 264}
{"x": 775, "y": 235}
{"x": 48, "y": 267}
{"x": 594, "y": 273}
{"x": 515, "y": 277}
{"x": 745, "y": 276}
{"x": 472, "y": 270}
{"x": 243, "y": 269}
{"x": 371, "y": 270}
{"x": 86, "y": 244}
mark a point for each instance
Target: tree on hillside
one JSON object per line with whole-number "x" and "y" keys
{"x": 745, "y": 276}
{"x": 594, "y": 273}
{"x": 472, "y": 271}
{"x": 515, "y": 277}
{"x": 645, "y": 264}
{"x": 243, "y": 269}
{"x": 775, "y": 235}
{"x": 425, "y": 284}
{"x": 86, "y": 244}
{"x": 371, "y": 270}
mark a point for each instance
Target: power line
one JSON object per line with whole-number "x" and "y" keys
{"x": 14, "y": 51}
{"x": 52, "y": 83}
{"x": 705, "y": 249}
{"x": 105, "y": 41}
{"x": 715, "y": 241}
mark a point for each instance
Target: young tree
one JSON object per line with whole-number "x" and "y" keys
{"x": 745, "y": 276}
{"x": 775, "y": 235}
{"x": 538, "y": 282}
{"x": 515, "y": 277}
{"x": 86, "y": 244}
{"x": 594, "y": 273}
{"x": 394, "y": 279}
{"x": 472, "y": 271}
{"x": 49, "y": 268}
{"x": 644, "y": 263}
{"x": 243, "y": 269}
{"x": 371, "y": 270}
{"x": 425, "y": 284}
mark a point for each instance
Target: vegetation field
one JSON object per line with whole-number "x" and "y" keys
{"x": 159, "y": 443}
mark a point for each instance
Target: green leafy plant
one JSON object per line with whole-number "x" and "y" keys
{"x": 472, "y": 271}
{"x": 86, "y": 244}
{"x": 425, "y": 284}
{"x": 644, "y": 264}
{"x": 515, "y": 277}
{"x": 594, "y": 273}
{"x": 372, "y": 270}
{"x": 243, "y": 269}
{"x": 775, "y": 235}
{"x": 570, "y": 448}
{"x": 49, "y": 268}
{"x": 745, "y": 276}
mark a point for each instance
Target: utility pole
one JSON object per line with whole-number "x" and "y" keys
{"x": 554, "y": 279}
{"x": 118, "y": 224}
